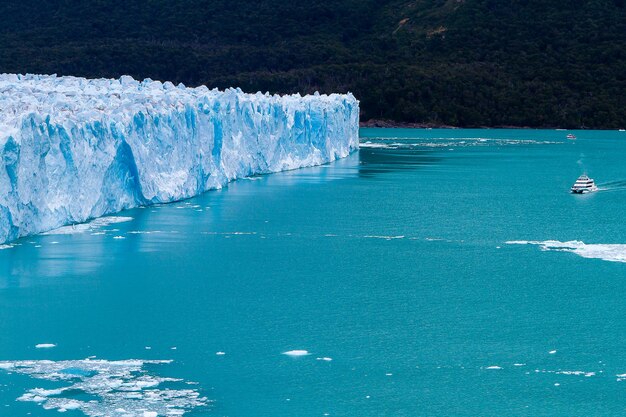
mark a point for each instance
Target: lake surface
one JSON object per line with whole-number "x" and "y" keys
{"x": 390, "y": 268}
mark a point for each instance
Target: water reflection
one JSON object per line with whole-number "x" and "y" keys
{"x": 165, "y": 228}
{"x": 379, "y": 161}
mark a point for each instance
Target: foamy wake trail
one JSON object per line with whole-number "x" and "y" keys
{"x": 114, "y": 388}
{"x": 607, "y": 252}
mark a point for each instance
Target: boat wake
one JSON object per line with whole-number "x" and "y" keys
{"x": 619, "y": 185}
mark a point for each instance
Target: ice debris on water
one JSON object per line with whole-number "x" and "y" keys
{"x": 75, "y": 149}
{"x": 115, "y": 388}
{"x": 297, "y": 352}
{"x": 614, "y": 252}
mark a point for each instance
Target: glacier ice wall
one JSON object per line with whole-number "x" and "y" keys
{"x": 74, "y": 148}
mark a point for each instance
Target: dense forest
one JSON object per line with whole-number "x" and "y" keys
{"x": 538, "y": 63}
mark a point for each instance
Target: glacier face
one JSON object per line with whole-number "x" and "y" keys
{"x": 75, "y": 149}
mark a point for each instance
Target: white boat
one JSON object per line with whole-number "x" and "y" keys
{"x": 570, "y": 136}
{"x": 584, "y": 185}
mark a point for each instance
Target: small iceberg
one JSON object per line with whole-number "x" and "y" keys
{"x": 297, "y": 352}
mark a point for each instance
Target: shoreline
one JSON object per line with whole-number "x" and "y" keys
{"x": 385, "y": 123}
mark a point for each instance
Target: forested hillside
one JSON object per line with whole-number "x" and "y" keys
{"x": 540, "y": 63}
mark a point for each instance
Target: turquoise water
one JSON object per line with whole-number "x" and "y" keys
{"x": 393, "y": 263}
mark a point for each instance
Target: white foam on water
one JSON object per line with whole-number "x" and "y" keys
{"x": 416, "y": 143}
{"x": 297, "y": 352}
{"x": 494, "y": 367}
{"x": 373, "y": 145}
{"x": 384, "y": 237}
{"x": 578, "y": 373}
{"x": 606, "y": 252}
{"x": 230, "y": 233}
{"x": 519, "y": 364}
{"x": 92, "y": 226}
{"x": 220, "y": 353}
{"x": 116, "y": 388}
{"x": 9, "y": 246}
{"x": 45, "y": 345}
{"x": 325, "y": 359}
{"x": 552, "y": 352}
{"x": 586, "y": 374}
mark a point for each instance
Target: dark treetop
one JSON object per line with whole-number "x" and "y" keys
{"x": 537, "y": 63}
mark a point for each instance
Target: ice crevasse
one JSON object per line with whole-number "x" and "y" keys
{"x": 75, "y": 149}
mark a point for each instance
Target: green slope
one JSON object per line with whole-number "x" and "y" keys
{"x": 457, "y": 62}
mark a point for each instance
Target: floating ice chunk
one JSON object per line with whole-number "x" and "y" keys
{"x": 296, "y": 352}
{"x": 606, "y": 252}
{"x": 45, "y": 345}
{"x": 552, "y": 352}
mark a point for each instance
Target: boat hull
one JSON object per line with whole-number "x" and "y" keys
{"x": 584, "y": 191}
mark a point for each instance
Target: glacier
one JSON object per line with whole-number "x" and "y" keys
{"x": 75, "y": 149}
